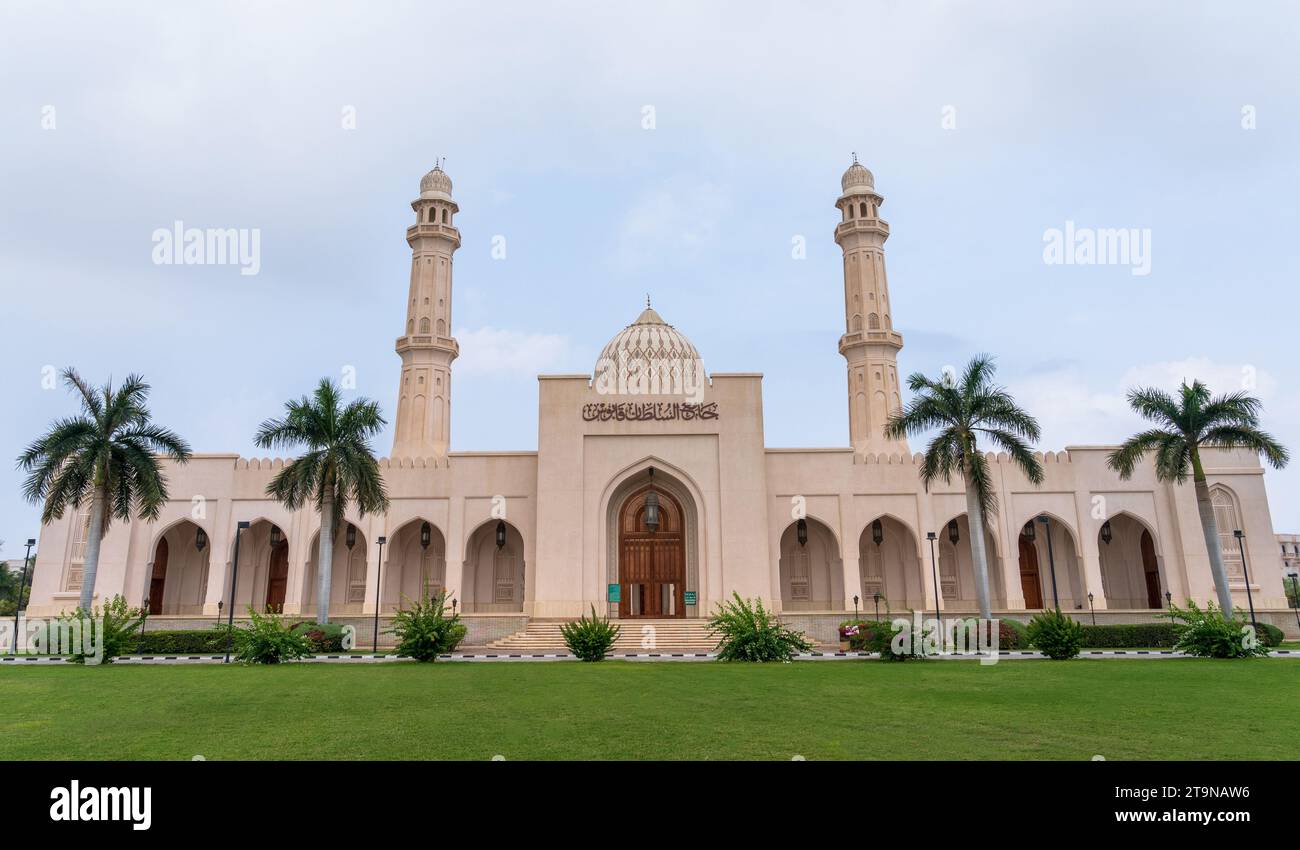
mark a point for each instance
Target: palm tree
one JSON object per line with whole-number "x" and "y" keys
{"x": 107, "y": 456}
{"x": 1184, "y": 426}
{"x": 962, "y": 411}
{"x": 339, "y": 466}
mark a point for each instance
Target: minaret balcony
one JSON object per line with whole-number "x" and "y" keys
{"x": 428, "y": 341}
{"x": 427, "y": 230}
{"x": 862, "y": 225}
{"x": 857, "y": 339}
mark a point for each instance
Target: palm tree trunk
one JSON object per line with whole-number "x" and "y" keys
{"x": 1210, "y": 528}
{"x": 325, "y": 566}
{"x": 94, "y": 534}
{"x": 975, "y": 518}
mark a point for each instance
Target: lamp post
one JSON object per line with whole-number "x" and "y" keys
{"x": 1245, "y": 571}
{"x": 379, "y": 590}
{"x": 22, "y": 585}
{"x": 1092, "y": 610}
{"x": 1051, "y": 559}
{"x": 144, "y": 615}
{"x": 1295, "y": 584}
{"x": 934, "y": 572}
{"x": 855, "y": 607}
{"x": 1169, "y": 601}
{"x": 234, "y": 581}
{"x": 876, "y": 598}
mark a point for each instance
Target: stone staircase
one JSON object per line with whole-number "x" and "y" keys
{"x": 635, "y": 636}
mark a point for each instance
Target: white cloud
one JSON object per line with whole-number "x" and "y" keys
{"x": 498, "y": 351}
{"x": 1076, "y": 410}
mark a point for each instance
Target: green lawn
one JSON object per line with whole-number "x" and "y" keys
{"x": 1170, "y": 709}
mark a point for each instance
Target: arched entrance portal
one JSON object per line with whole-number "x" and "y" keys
{"x": 651, "y": 560}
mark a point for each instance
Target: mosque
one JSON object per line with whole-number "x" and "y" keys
{"x": 653, "y": 495}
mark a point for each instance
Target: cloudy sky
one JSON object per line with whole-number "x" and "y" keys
{"x": 986, "y": 126}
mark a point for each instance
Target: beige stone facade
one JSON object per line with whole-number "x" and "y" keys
{"x": 550, "y": 533}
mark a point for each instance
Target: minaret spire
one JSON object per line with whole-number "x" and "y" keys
{"x": 870, "y": 344}
{"x": 423, "y": 422}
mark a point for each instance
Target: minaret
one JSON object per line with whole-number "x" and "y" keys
{"x": 423, "y": 425}
{"x": 870, "y": 344}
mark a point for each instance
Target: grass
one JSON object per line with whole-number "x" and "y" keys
{"x": 1130, "y": 709}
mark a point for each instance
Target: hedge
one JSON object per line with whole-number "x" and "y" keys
{"x": 1130, "y": 634}
{"x": 1269, "y": 634}
{"x": 323, "y": 638}
{"x": 181, "y": 642}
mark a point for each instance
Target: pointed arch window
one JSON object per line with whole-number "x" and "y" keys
{"x": 1228, "y": 517}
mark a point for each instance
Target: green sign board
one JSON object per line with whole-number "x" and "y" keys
{"x": 614, "y": 590}
{"x": 690, "y": 597}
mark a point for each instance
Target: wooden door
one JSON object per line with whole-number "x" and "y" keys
{"x": 158, "y": 581}
{"x": 1029, "y": 577}
{"x": 277, "y": 578}
{"x": 651, "y": 564}
{"x": 1151, "y": 569}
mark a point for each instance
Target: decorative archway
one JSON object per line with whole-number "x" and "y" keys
{"x": 812, "y": 574}
{"x": 347, "y": 576}
{"x": 651, "y": 556}
{"x": 957, "y": 567}
{"x": 178, "y": 582}
{"x": 887, "y": 562}
{"x": 675, "y": 484}
{"x": 412, "y": 567}
{"x": 493, "y": 576}
{"x": 1051, "y": 571}
{"x": 263, "y": 568}
{"x": 1130, "y": 569}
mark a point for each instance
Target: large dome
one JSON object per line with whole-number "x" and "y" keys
{"x": 653, "y": 348}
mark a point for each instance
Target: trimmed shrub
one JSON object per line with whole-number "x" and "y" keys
{"x": 322, "y": 637}
{"x": 1012, "y": 634}
{"x": 1209, "y": 634}
{"x": 1130, "y": 634}
{"x": 749, "y": 632}
{"x": 591, "y": 637}
{"x": 862, "y": 635}
{"x": 1055, "y": 635}
{"x": 182, "y": 642}
{"x": 1269, "y": 634}
{"x": 424, "y": 631}
{"x": 266, "y": 639}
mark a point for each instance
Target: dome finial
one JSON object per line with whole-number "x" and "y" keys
{"x": 855, "y": 157}
{"x": 647, "y": 299}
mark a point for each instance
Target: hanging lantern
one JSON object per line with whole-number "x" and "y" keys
{"x": 277, "y": 536}
{"x": 501, "y": 534}
{"x": 1106, "y": 534}
{"x": 1028, "y": 531}
{"x": 801, "y": 532}
{"x": 652, "y": 510}
{"x": 954, "y": 533}
{"x": 200, "y": 540}
{"x": 351, "y": 537}
{"x": 877, "y": 531}
{"x": 426, "y": 532}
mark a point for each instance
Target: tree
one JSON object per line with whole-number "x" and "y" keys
{"x": 338, "y": 466}
{"x": 962, "y": 411}
{"x": 1183, "y": 427}
{"x": 107, "y": 456}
